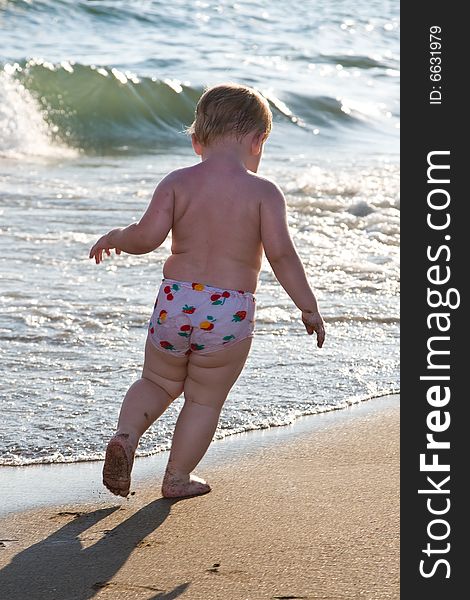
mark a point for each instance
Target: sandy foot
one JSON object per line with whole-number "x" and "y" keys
{"x": 118, "y": 465}
{"x": 175, "y": 486}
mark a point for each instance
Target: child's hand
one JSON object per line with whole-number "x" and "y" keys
{"x": 313, "y": 321}
{"x": 103, "y": 244}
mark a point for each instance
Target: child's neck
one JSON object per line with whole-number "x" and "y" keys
{"x": 229, "y": 155}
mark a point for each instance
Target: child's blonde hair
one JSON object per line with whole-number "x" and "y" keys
{"x": 230, "y": 108}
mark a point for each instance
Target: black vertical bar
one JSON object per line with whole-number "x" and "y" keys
{"x": 434, "y": 253}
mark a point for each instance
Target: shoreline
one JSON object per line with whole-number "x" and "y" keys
{"x": 30, "y": 487}
{"x": 312, "y": 514}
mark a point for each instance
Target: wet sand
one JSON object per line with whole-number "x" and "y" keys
{"x": 313, "y": 515}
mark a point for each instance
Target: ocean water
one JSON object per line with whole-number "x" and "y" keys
{"x": 94, "y": 99}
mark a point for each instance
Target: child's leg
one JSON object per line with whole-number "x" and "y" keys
{"x": 209, "y": 380}
{"x": 162, "y": 381}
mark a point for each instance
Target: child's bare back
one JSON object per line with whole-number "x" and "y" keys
{"x": 221, "y": 215}
{"x": 216, "y": 234}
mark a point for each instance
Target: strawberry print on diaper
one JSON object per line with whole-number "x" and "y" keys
{"x": 197, "y": 346}
{"x": 188, "y": 309}
{"x": 239, "y": 316}
{"x": 195, "y": 317}
{"x": 185, "y": 331}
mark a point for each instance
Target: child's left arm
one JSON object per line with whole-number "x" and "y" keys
{"x": 146, "y": 235}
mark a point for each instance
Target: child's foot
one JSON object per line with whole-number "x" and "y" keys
{"x": 183, "y": 486}
{"x": 118, "y": 465}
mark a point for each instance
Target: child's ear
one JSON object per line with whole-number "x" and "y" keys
{"x": 197, "y": 146}
{"x": 257, "y": 142}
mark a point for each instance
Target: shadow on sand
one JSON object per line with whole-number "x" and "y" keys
{"x": 59, "y": 568}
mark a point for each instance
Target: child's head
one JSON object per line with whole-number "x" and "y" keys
{"x": 230, "y": 109}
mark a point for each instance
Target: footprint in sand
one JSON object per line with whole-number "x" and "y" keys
{"x": 5, "y": 543}
{"x": 99, "y": 585}
{"x": 66, "y": 513}
{"x": 149, "y": 544}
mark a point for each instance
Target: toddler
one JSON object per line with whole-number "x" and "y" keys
{"x": 222, "y": 216}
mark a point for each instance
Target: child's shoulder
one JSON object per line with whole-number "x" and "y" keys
{"x": 266, "y": 182}
{"x": 180, "y": 174}
{"x": 269, "y": 190}
{"x": 174, "y": 179}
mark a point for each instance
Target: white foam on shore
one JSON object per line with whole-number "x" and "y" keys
{"x": 31, "y": 487}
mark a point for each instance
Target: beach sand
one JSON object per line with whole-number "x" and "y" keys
{"x": 312, "y": 516}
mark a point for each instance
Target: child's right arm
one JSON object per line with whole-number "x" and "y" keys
{"x": 285, "y": 262}
{"x": 146, "y": 235}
